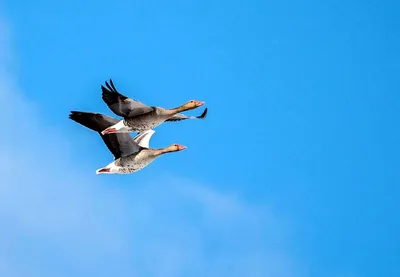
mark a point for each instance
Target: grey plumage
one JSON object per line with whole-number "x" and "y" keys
{"x": 130, "y": 154}
{"x": 137, "y": 116}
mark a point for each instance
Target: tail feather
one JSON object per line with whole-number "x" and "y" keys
{"x": 109, "y": 169}
{"x": 103, "y": 170}
{"x": 119, "y": 127}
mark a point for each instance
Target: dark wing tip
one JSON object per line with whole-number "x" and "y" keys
{"x": 106, "y": 93}
{"x": 79, "y": 116}
{"x": 204, "y": 114}
{"x": 73, "y": 114}
{"x": 110, "y": 95}
{"x": 108, "y": 86}
{"x": 112, "y": 85}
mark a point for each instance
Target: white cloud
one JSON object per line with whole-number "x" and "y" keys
{"x": 61, "y": 221}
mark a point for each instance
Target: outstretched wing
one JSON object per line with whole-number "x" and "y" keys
{"x": 179, "y": 116}
{"x": 119, "y": 144}
{"x": 120, "y": 104}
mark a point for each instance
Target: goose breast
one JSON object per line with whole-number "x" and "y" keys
{"x": 137, "y": 161}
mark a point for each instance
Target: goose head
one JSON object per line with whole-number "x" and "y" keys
{"x": 190, "y": 105}
{"x": 175, "y": 148}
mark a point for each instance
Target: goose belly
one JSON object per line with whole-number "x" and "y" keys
{"x": 144, "y": 122}
{"x": 135, "y": 163}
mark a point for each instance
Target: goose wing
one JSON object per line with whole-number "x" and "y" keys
{"x": 143, "y": 138}
{"x": 120, "y": 144}
{"x": 179, "y": 116}
{"x": 132, "y": 146}
{"x": 120, "y": 104}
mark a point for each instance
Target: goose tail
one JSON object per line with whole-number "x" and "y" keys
{"x": 109, "y": 169}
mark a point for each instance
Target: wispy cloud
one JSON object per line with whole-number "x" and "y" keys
{"x": 60, "y": 221}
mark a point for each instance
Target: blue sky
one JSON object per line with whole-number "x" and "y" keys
{"x": 294, "y": 172}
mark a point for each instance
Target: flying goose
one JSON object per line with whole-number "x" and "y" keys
{"x": 139, "y": 117}
{"x": 130, "y": 154}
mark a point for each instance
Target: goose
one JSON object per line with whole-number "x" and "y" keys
{"x": 139, "y": 117}
{"x": 130, "y": 154}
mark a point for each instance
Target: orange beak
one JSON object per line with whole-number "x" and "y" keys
{"x": 181, "y": 147}
{"x": 199, "y": 103}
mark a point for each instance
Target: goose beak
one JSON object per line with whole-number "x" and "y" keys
{"x": 200, "y": 103}
{"x": 181, "y": 147}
